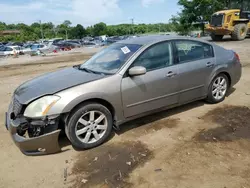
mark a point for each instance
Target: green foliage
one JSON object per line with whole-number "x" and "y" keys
{"x": 100, "y": 29}
{"x": 77, "y": 32}
{"x": 193, "y": 13}
{"x": 200, "y": 11}
{"x": 34, "y": 31}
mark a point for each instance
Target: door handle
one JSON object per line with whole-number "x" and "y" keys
{"x": 209, "y": 64}
{"x": 171, "y": 74}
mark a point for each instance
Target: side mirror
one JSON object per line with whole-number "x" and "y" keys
{"x": 137, "y": 70}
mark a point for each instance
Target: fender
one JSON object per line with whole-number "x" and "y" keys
{"x": 94, "y": 95}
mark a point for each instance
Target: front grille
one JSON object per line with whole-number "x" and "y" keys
{"x": 217, "y": 20}
{"x": 17, "y": 107}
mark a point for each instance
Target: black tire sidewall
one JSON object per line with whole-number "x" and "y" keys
{"x": 74, "y": 117}
{"x": 216, "y": 37}
{"x": 210, "y": 97}
{"x": 236, "y": 33}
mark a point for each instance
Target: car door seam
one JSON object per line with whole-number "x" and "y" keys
{"x": 192, "y": 88}
{"x": 164, "y": 96}
{"x": 153, "y": 99}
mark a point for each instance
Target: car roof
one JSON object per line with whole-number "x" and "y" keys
{"x": 151, "y": 39}
{"x": 12, "y": 46}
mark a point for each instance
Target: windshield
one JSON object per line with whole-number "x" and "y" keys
{"x": 111, "y": 58}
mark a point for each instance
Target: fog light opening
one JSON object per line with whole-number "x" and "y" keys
{"x": 41, "y": 149}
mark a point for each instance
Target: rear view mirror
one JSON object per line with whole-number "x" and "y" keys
{"x": 137, "y": 70}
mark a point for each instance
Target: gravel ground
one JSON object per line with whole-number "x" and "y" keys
{"x": 193, "y": 146}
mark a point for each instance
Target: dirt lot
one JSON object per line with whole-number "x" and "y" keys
{"x": 193, "y": 146}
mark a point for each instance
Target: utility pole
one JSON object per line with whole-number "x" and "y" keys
{"x": 159, "y": 28}
{"x": 66, "y": 34}
{"x": 41, "y": 28}
{"x": 132, "y": 21}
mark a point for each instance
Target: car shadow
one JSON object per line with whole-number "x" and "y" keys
{"x": 230, "y": 92}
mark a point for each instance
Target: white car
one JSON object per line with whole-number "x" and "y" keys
{"x": 42, "y": 47}
{"x": 9, "y": 50}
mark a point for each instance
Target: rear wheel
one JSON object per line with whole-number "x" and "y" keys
{"x": 240, "y": 32}
{"x": 89, "y": 126}
{"x": 218, "y": 89}
{"x": 217, "y": 37}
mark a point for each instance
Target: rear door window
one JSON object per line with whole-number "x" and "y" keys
{"x": 193, "y": 50}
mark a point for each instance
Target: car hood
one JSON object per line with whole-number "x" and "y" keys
{"x": 52, "y": 83}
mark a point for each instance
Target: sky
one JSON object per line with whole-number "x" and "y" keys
{"x": 87, "y": 12}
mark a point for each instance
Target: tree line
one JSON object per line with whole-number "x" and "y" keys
{"x": 65, "y": 30}
{"x": 193, "y": 11}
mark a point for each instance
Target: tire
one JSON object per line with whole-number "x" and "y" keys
{"x": 240, "y": 32}
{"x": 88, "y": 139}
{"x": 217, "y": 37}
{"x": 211, "y": 97}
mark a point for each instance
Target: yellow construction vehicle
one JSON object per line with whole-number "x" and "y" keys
{"x": 232, "y": 22}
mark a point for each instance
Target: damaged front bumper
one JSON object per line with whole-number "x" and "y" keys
{"x": 46, "y": 143}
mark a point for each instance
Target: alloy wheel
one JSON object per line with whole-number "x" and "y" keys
{"x": 91, "y": 126}
{"x": 219, "y": 88}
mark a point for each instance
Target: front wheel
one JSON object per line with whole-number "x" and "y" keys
{"x": 218, "y": 89}
{"x": 89, "y": 126}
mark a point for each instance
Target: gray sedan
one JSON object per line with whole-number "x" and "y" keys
{"x": 127, "y": 80}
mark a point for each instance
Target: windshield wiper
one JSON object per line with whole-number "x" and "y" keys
{"x": 85, "y": 69}
{"x": 89, "y": 70}
{"x": 94, "y": 72}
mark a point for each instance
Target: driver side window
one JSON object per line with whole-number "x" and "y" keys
{"x": 155, "y": 57}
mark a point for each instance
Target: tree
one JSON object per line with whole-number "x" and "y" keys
{"x": 180, "y": 25}
{"x": 77, "y": 32}
{"x": 67, "y": 23}
{"x": 100, "y": 29}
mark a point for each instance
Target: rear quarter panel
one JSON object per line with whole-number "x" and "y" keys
{"x": 225, "y": 62}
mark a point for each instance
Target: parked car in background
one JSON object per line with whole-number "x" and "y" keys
{"x": 4, "y": 43}
{"x": 74, "y": 42}
{"x": 89, "y": 44}
{"x": 65, "y": 45}
{"x": 31, "y": 49}
{"x": 18, "y": 44}
{"x": 87, "y": 39}
{"x": 27, "y": 49}
{"x": 143, "y": 75}
{"x": 55, "y": 41}
{"x": 10, "y": 50}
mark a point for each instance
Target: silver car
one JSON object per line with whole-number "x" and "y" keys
{"x": 126, "y": 80}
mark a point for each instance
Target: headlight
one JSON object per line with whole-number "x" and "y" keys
{"x": 40, "y": 107}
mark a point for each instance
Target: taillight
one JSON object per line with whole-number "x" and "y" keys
{"x": 237, "y": 56}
